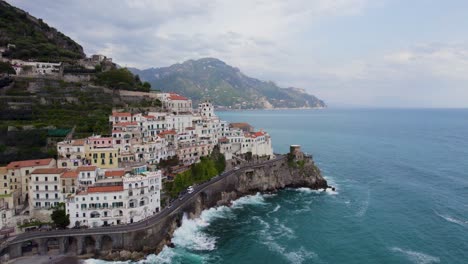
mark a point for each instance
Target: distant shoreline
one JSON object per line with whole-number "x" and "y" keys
{"x": 269, "y": 109}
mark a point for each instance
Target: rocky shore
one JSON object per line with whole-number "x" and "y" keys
{"x": 265, "y": 179}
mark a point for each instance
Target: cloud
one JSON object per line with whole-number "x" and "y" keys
{"x": 302, "y": 43}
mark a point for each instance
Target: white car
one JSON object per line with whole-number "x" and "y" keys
{"x": 190, "y": 189}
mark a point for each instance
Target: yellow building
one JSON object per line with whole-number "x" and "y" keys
{"x": 104, "y": 158}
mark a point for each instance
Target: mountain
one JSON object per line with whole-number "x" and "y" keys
{"x": 210, "y": 78}
{"x": 33, "y": 39}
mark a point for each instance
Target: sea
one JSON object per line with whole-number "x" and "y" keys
{"x": 401, "y": 178}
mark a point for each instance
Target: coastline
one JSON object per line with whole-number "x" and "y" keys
{"x": 142, "y": 239}
{"x": 270, "y": 109}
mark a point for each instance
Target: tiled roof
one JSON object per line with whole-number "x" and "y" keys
{"x": 258, "y": 134}
{"x": 240, "y": 125}
{"x": 78, "y": 142}
{"x": 167, "y": 132}
{"x": 115, "y": 173}
{"x": 86, "y": 168}
{"x": 69, "y": 174}
{"x": 28, "y": 163}
{"x": 174, "y": 96}
{"x": 126, "y": 124}
{"x": 121, "y": 114}
{"x": 49, "y": 171}
{"x": 96, "y": 189}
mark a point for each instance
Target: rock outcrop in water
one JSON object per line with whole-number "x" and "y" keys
{"x": 293, "y": 170}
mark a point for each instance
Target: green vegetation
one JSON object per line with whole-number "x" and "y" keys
{"x": 34, "y": 39}
{"x": 207, "y": 168}
{"x": 5, "y": 67}
{"x": 60, "y": 217}
{"x": 54, "y": 104}
{"x": 33, "y": 223}
{"x": 224, "y": 85}
{"x": 122, "y": 79}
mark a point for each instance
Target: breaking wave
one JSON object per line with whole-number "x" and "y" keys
{"x": 416, "y": 257}
{"x": 452, "y": 219}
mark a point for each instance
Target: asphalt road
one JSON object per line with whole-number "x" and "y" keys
{"x": 141, "y": 224}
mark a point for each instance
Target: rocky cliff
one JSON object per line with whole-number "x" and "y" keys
{"x": 266, "y": 177}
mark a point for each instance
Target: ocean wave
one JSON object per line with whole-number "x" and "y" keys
{"x": 309, "y": 190}
{"x": 416, "y": 257}
{"x": 257, "y": 199}
{"x": 452, "y": 219}
{"x": 191, "y": 236}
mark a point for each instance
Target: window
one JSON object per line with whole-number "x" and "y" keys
{"x": 37, "y": 187}
{"x": 84, "y": 214}
{"x": 55, "y": 178}
{"x": 5, "y": 184}
{"x": 46, "y": 188}
{"x": 4, "y": 177}
{"x": 27, "y": 172}
{"x": 47, "y": 196}
{"x": 37, "y": 196}
{"x": 56, "y": 195}
{"x": 64, "y": 164}
{"x": 45, "y": 179}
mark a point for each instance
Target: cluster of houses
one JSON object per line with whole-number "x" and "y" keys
{"x": 113, "y": 179}
{"x": 38, "y": 68}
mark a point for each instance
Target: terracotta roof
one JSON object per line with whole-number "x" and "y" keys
{"x": 149, "y": 116}
{"x": 167, "y": 132}
{"x": 258, "y": 134}
{"x": 240, "y": 125}
{"x": 86, "y": 168}
{"x": 69, "y": 174}
{"x": 190, "y": 128}
{"x": 174, "y": 96}
{"x": 115, "y": 173}
{"x": 78, "y": 142}
{"x": 117, "y": 131}
{"x": 126, "y": 124}
{"x": 28, "y": 163}
{"x": 49, "y": 171}
{"x": 121, "y": 114}
{"x": 223, "y": 140}
{"x": 95, "y": 189}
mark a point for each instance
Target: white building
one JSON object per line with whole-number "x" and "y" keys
{"x": 136, "y": 198}
{"x": 36, "y": 67}
{"x": 45, "y": 192}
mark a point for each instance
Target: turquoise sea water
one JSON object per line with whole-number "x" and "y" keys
{"x": 402, "y": 194}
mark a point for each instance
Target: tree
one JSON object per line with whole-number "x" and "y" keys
{"x": 59, "y": 216}
{"x": 5, "y": 67}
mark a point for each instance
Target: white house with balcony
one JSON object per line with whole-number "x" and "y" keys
{"x": 45, "y": 192}
{"x": 136, "y": 198}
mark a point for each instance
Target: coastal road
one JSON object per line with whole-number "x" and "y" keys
{"x": 141, "y": 224}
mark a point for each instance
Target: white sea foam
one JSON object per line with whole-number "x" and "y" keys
{"x": 309, "y": 190}
{"x": 452, "y": 219}
{"x": 276, "y": 208}
{"x": 191, "y": 236}
{"x": 256, "y": 199}
{"x": 362, "y": 210}
{"x": 416, "y": 257}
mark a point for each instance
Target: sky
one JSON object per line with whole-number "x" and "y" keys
{"x": 350, "y": 53}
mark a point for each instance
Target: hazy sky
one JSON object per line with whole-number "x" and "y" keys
{"x": 403, "y": 53}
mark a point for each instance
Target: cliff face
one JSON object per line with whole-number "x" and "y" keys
{"x": 267, "y": 177}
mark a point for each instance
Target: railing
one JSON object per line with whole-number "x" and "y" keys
{"x": 141, "y": 224}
